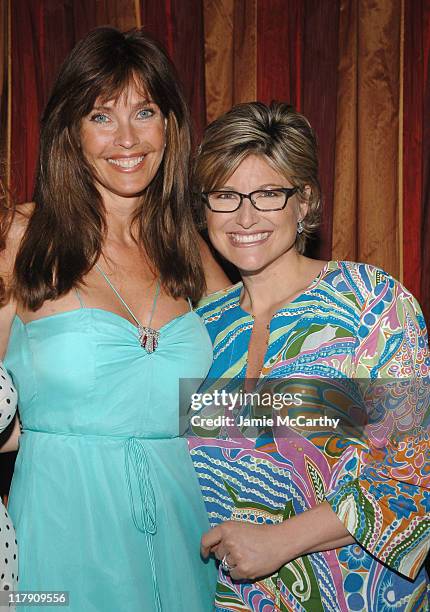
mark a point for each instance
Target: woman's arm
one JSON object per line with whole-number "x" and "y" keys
{"x": 7, "y": 313}
{"x": 260, "y": 550}
{"x": 8, "y": 399}
{"x": 7, "y": 409}
{"x": 216, "y": 278}
{"x": 386, "y": 506}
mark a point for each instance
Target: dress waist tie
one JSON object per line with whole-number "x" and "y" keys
{"x": 144, "y": 513}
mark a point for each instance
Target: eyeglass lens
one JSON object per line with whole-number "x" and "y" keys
{"x": 230, "y": 200}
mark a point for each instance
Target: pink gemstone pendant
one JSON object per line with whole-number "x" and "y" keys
{"x": 148, "y": 338}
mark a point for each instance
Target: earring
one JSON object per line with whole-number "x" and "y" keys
{"x": 300, "y": 227}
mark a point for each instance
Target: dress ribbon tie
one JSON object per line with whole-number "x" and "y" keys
{"x": 143, "y": 510}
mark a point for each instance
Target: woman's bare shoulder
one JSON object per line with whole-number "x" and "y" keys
{"x": 12, "y": 241}
{"x": 13, "y": 238}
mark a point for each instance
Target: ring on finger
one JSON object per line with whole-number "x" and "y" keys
{"x": 226, "y": 567}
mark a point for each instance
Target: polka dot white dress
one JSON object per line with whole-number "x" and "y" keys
{"x": 8, "y": 547}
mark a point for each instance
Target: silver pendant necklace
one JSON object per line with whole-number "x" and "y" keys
{"x": 148, "y": 336}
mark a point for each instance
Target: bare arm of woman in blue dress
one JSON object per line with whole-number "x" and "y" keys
{"x": 8, "y": 399}
{"x": 8, "y": 310}
{"x": 216, "y": 278}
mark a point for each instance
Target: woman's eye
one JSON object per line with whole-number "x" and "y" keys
{"x": 226, "y": 195}
{"x": 99, "y": 118}
{"x": 145, "y": 113}
{"x": 267, "y": 193}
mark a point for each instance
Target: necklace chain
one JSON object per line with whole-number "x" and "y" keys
{"x": 148, "y": 336}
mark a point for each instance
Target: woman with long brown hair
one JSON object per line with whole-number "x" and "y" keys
{"x": 104, "y": 498}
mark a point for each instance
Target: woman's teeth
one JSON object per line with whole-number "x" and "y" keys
{"x": 130, "y": 162}
{"x": 245, "y": 238}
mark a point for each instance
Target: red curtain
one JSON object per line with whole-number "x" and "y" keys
{"x": 416, "y": 155}
{"x": 43, "y": 33}
{"x": 178, "y": 25}
{"x": 290, "y": 36}
{"x": 358, "y": 69}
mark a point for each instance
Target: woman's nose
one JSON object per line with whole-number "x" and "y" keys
{"x": 126, "y": 135}
{"x": 247, "y": 215}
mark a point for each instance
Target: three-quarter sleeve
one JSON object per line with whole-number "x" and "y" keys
{"x": 386, "y": 507}
{"x": 8, "y": 398}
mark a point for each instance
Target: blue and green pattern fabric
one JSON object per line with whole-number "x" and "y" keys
{"x": 354, "y": 322}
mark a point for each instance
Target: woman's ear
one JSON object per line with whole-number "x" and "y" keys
{"x": 304, "y": 202}
{"x": 307, "y": 191}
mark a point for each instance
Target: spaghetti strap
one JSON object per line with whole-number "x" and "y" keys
{"x": 190, "y": 304}
{"x": 79, "y": 296}
{"x": 124, "y": 303}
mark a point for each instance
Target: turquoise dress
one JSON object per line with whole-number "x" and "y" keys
{"x": 104, "y": 497}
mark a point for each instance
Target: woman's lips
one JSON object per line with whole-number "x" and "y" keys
{"x": 126, "y": 164}
{"x": 248, "y": 239}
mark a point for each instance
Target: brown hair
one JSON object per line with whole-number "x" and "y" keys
{"x": 65, "y": 234}
{"x": 277, "y": 132}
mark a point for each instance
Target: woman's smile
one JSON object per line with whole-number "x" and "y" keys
{"x": 254, "y": 239}
{"x": 123, "y": 141}
{"x": 247, "y": 239}
{"x": 127, "y": 164}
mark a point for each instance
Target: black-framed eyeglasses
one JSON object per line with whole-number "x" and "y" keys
{"x": 264, "y": 200}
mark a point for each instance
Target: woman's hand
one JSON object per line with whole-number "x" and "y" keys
{"x": 250, "y": 550}
{"x": 253, "y": 551}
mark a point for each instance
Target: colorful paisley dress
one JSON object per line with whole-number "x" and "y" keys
{"x": 353, "y": 323}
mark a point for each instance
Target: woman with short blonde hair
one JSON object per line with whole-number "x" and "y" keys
{"x": 319, "y": 502}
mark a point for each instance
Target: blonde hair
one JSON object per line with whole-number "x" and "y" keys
{"x": 283, "y": 136}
